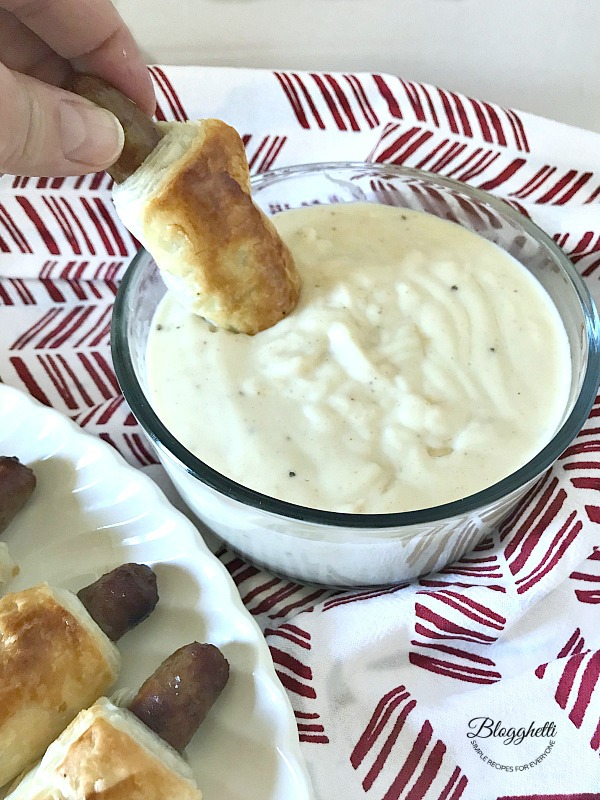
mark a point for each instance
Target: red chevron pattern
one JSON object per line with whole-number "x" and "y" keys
{"x": 581, "y": 464}
{"x": 168, "y": 101}
{"x": 263, "y": 154}
{"x": 322, "y": 100}
{"x": 446, "y": 619}
{"x": 452, "y": 112}
{"x": 577, "y": 682}
{"x": 412, "y": 757}
{"x": 297, "y": 676}
{"x": 268, "y": 597}
{"x": 530, "y": 556}
{"x": 588, "y": 579}
{"x": 62, "y": 255}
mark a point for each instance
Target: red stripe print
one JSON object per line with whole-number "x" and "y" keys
{"x": 379, "y": 719}
{"x": 574, "y": 645}
{"x": 534, "y": 182}
{"x": 169, "y": 93}
{"x": 297, "y": 677}
{"x": 310, "y": 731}
{"x": 456, "y": 781}
{"x": 291, "y": 93}
{"x": 388, "y": 744}
{"x": 99, "y": 330}
{"x": 108, "y": 218}
{"x": 486, "y": 160}
{"x": 496, "y": 124}
{"x": 504, "y": 175}
{"x": 415, "y": 101}
{"x": 39, "y": 225}
{"x": 103, "y": 413}
{"x": 434, "y": 647}
{"x": 574, "y": 188}
{"x": 389, "y": 97}
{"x": 411, "y": 139}
{"x": 481, "y": 118}
{"x": 69, "y": 210}
{"x": 363, "y": 101}
{"x": 30, "y": 383}
{"x": 343, "y": 101}
{"x": 589, "y": 680}
{"x": 59, "y": 381}
{"x": 357, "y": 597}
{"x": 434, "y": 584}
{"x": 411, "y": 763}
{"x": 137, "y": 446}
{"x": 265, "y": 155}
{"x": 5, "y": 298}
{"x": 336, "y": 113}
{"x": 517, "y": 125}
{"x": 27, "y": 336}
{"x": 100, "y": 372}
{"x": 449, "y": 111}
{"x": 446, "y": 629}
{"x": 455, "y": 670}
{"x": 306, "y": 94}
{"x": 304, "y": 604}
{"x": 96, "y": 221}
{"x": 577, "y": 683}
{"x": 558, "y": 186}
{"x": 292, "y": 633}
{"x": 589, "y": 576}
{"x": 54, "y": 208}
{"x": 14, "y": 232}
{"x": 593, "y": 196}
{"x": 22, "y": 290}
{"x": 558, "y": 547}
{"x": 521, "y": 532}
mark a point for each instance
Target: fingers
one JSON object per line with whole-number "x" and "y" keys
{"x": 23, "y": 51}
{"x": 46, "y": 131}
{"x": 93, "y": 37}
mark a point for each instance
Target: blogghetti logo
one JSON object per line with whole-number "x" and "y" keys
{"x": 511, "y": 748}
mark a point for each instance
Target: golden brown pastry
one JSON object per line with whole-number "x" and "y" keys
{"x": 54, "y": 661}
{"x": 190, "y": 205}
{"x": 106, "y": 753}
{"x": 183, "y": 189}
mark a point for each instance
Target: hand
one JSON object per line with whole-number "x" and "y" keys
{"x": 45, "y": 130}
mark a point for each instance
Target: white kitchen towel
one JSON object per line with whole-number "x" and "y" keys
{"x": 479, "y": 682}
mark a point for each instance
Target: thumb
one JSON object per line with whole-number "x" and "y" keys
{"x": 47, "y": 131}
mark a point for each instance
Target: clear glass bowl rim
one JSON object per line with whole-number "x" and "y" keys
{"x": 162, "y": 438}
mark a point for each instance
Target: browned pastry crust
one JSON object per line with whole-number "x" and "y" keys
{"x": 54, "y": 661}
{"x": 198, "y": 220}
{"x": 108, "y": 754}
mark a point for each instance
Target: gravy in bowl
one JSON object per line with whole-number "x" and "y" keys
{"x": 421, "y": 365}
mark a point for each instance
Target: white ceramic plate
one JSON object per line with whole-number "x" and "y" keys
{"x": 91, "y": 512}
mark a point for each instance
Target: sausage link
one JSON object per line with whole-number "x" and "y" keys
{"x": 17, "y": 483}
{"x": 174, "y": 700}
{"x": 121, "y": 599}
{"x": 141, "y": 133}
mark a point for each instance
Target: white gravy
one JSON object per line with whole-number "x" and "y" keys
{"x": 421, "y": 365}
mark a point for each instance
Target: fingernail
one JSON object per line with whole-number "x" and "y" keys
{"x": 89, "y": 135}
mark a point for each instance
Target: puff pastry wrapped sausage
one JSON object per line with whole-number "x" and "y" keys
{"x": 57, "y": 656}
{"x": 54, "y": 661}
{"x": 133, "y": 754}
{"x": 106, "y": 752}
{"x": 183, "y": 190}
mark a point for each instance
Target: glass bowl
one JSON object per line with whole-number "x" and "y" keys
{"x": 349, "y": 550}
